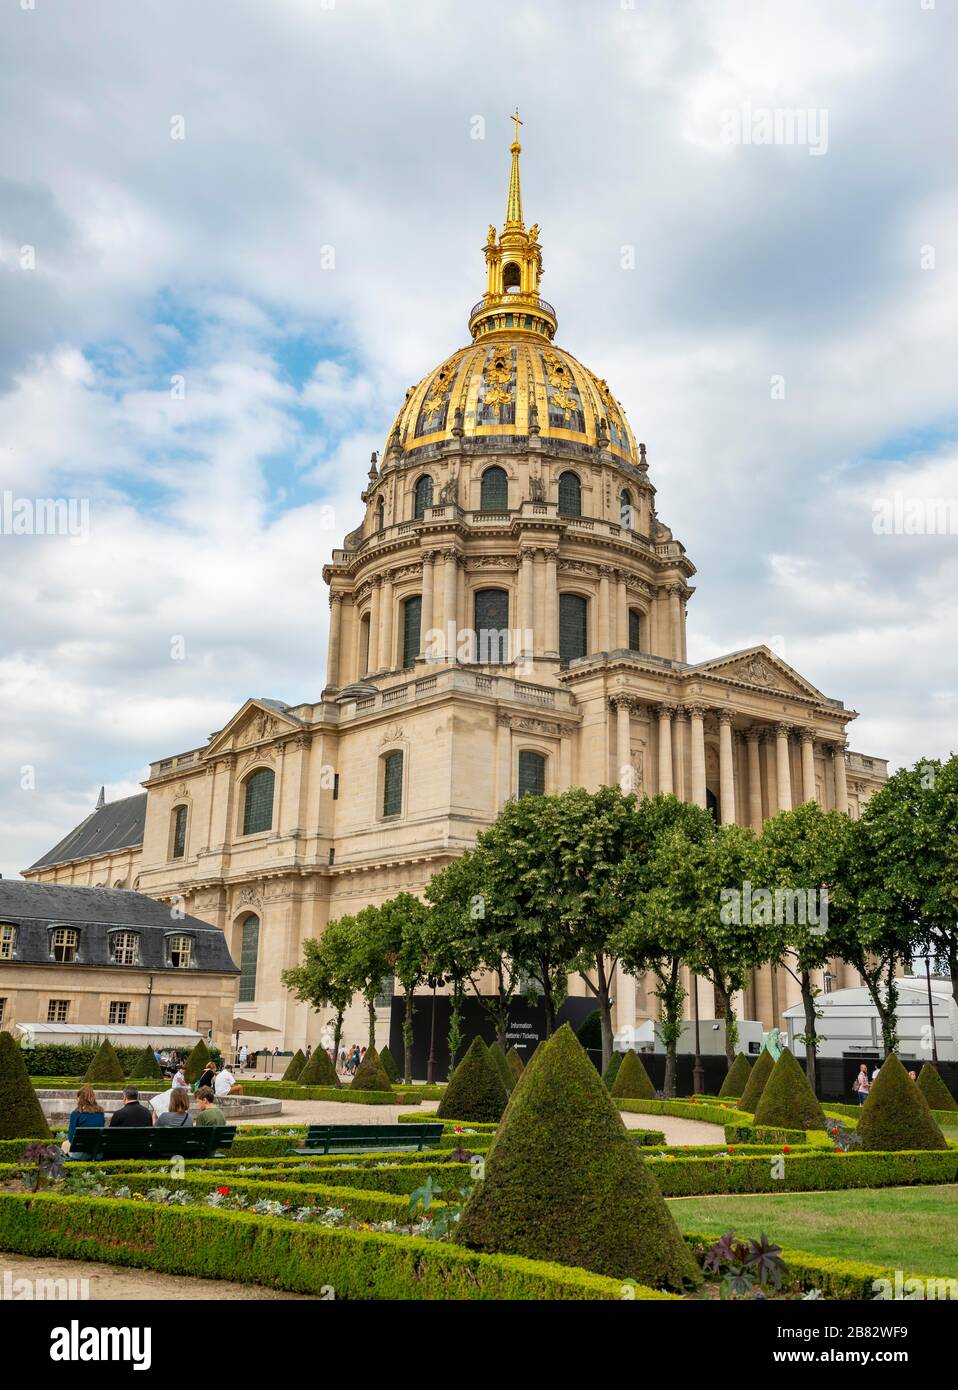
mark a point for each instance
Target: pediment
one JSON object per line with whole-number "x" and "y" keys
{"x": 256, "y": 722}
{"x": 760, "y": 668}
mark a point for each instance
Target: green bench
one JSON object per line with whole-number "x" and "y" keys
{"x": 325, "y": 1139}
{"x": 197, "y": 1141}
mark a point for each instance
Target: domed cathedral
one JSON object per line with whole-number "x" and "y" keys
{"x": 509, "y": 618}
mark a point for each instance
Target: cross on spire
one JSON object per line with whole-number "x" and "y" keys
{"x": 515, "y": 117}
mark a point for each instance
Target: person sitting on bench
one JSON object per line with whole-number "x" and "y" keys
{"x": 209, "y": 1112}
{"x": 132, "y": 1114}
{"x": 177, "y": 1116}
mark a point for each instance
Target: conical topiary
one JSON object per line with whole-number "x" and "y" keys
{"x": 612, "y": 1070}
{"x": 896, "y": 1114}
{"x": 371, "y": 1074}
{"x": 564, "y": 1182}
{"x": 146, "y": 1067}
{"x": 736, "y": 1078}
{"x": 296, "y": 1064}
{"x": 21, "y": 1115}
{"x": 196, "y": 1062}
{"x": 757, "y": 1078}
{"x": 787, "y": 1100}
{"x": 516, "y": 1064}
{"x": 389, "y": 1065}
{"x": 475, "y": 1091}
{"x": 104, "y": 1066}
{"x": 934, "y": 1089}
{"x": 502, "y": 1067}
{"x": 632, "y": 1080}
{"x": 318, "y": 1070}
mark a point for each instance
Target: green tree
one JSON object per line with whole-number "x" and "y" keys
{"x": 325, "y": 979}
{"x": 804, "y": 857}
{"x": 657, "y": 934}
{"x": 374, "y": 949}
{"x": 401, "y": 929}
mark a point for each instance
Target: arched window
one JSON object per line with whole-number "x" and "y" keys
{"x": 573, "y": 627}
{"x": 570, "y": 495}
{"x": 423, "y": 496}
{"x": 626, "y": 514}
{"x": 411, "y": 629}
{"x": 532, "y": 773}
{"x": 491, "y": 625}
{"x": 258, "y": 806}
{"x": 511, "y": 278}
{"x": 249, "y": 957}
{"x": 178, "y": 847}
{"x": 635, "y": 630}
{"x": 494, "y": 495}
{"x": 380, "y": 515}
{"x": 392, "y": 783}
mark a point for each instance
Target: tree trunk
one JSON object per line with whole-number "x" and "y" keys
{"x": 811, "y": 1038}
{"x": 338, "y": 1032}
{"x": 407, "y": 1035}
{"x": 671, "y": 996}
{"x": 604, "y": 1001}
{"x": 371, "y": 1006}
{"x": 731, "y": 1029}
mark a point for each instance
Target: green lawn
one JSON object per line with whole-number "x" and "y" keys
{"x": 914, "y": 1229}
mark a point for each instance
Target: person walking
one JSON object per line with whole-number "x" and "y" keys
{"x": 862, "y": 1084}
{"x": 243, "y": 1054}
{"x": 178, "y": 1115}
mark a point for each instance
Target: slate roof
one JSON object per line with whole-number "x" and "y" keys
{"x": 117, "y": 825}
{"x": 34, "y": 907}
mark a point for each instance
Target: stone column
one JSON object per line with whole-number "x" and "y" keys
{"x": 680, "y": 783}
{"x": 841, "y": 783}
{"x": 783, "y": 780}
{"x": 386, "y": 627}
{"x": 427, "y": 601}
{"x": 675, "y": 622}
{"x": 623, "y": 740}
{"x": 450, "y": 577}
{"x": 621, "y": 613}
{"x": 539, "y": 601}
{"x": 726, "y": 769}
{"x": 372, "y": 655}
{"x": 552, "y": 605}
{"x": 605, "y": 641}
{"x": 665, "y": 713}
{"x": 525, "y": 602}
{"x": 503, "y": 760}
{"x": 697, "y": 724}
{"x": 808, "y": 765}
{"x": 752, "y": 738}
{"x": 335, "y": 633}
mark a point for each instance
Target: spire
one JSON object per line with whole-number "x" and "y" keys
{"x": 514, "y": 204}
{"x": 101, "y": 799}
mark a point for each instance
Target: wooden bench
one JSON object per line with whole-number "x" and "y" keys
{"x": 325, "y": 1139}
{"x": 196, "y": 1141}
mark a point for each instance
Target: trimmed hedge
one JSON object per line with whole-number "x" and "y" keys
{"x": 279, "y": 1253}
{"x": 787, "y": 1099}
{"x": 935, "y": 1091}
{"x": 389, "y": 1066}
{"x": 146, "y": 1067}
{"x": 736, "y": 1078}
{"x": 296, "y": 1064}
{"x": 896, "y": 1114}
{"x": 196, "y": 1062}
{"x": 612, "y": 1070}
{"x": 59, "y": 1060}
{"x": 757, "y": 1078}
{"x": 21, "y": 1113}
{"x": 516, "y": 1064}
{"x": 803, "y": 1172}
{"x": 318, "y": 1070}
{"x": 837, "y": 1279}
{"x": 498, "y": 1059}
{"x": 105, "y": 1066}
{"x": 370, "y": 1075}
{"x": 686, "y": 1110}
{"x": 476, "y": 1090}
{"x": 632, "y": 1081}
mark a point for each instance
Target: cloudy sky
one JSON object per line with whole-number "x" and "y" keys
{"x": 233, "y": 234}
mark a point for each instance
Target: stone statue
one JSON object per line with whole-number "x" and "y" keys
{"x": 537, "y": 489}
{"x": 491, "y": 235}
{"x": 773, "y": 1043}
{"x": 449, "y": 493}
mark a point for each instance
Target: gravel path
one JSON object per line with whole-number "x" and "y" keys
{"x": 109, "y": 1281}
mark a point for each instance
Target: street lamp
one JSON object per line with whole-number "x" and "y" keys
{"x": 433, "y": 981}
{"x": 698, "y": 1071}
{"x": 931, "y": 1010}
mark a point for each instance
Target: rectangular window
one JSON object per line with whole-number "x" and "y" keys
{"x": 392, "y": 783}
{"x": 175, "y": 1016}
{"x": 181, "y": 952}
{"x": 249, "y": 957}
{"x": 58, "y": 1010}
{"x": 179, "y": 832}
{"x": 125, "y": 946}
{"x": 8, "y": 940}
{"x": 335, "y": 786}
{"x": 635, "y": 631}
{"x": 3, "y": 1009}
{"x": 532, "y": 774}
{"x": 573, "y": 619}
{"x": 65, "y": 941}
{"x": 119, "y": 1011}
{"x": 491, "y": 623}
{"x": 411, "y": 627}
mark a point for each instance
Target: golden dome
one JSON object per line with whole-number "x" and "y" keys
{"x": 513, "y": 384}
{"x": 512, "y": 381}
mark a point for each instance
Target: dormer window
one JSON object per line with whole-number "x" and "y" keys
{"x": 65, "y": 943}
{"x": 8, "y": 940}
{"x": 125, "y": 948}
{"x": 180, "y": 951}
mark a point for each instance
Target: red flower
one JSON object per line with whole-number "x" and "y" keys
{"x": 731, "y": 1148}
{"x": 786, "y": 1149}
{"x": 223, "y": 1191}
{"x": 458, "y": 1129}
{"x": 834, "y": 1131}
